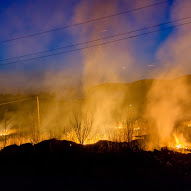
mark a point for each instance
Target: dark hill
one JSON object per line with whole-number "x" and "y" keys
{"x": 134, "y": 93}
{"x": 54, "y": 164}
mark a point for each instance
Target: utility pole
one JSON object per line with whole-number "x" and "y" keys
{"x": 37, "y": 131}
{"x": 5, "y": 129}
{"x": 38, "y": 111}
{"x": 56, "y": 112}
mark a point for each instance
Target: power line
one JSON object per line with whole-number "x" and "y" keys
{"x": 21, "y": 100}
{"x": 109, "y": 42}
{"x": 82, "y": 23}
{"x": 47, "y": 98}
{"x": 6, "y": 103}
{"x": 24, "y": 98}
{"x": 14, "y": 97}
{"x": 95, "y": 40}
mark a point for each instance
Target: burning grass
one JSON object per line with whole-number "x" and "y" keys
{"x": 153, "y": 110}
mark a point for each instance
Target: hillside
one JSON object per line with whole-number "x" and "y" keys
{"x": 101, "y": 166}
{"x": 134, "y": 93}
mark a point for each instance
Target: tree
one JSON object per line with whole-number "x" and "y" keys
{"x": 82, "y": 125}
{"x": 34, "y": 130}
{"x": 128, "y": 131}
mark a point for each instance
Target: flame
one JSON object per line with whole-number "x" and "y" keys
{"x": 7, "y": 132}
{"x": 179, "y": 146}
{"x": 137, "y": 128}
{"x": 179, "y": 142}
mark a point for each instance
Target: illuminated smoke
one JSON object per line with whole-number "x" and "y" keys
{"x": 168, "y": 99}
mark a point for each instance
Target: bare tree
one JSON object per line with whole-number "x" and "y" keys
{"x": 82, "y": 125}
{"x": 7, "y": 123}
{"x": 34, "y": 131}
{"x": 128, "y": 131}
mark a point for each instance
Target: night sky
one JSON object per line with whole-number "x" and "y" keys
{"x": 123, "y": 61}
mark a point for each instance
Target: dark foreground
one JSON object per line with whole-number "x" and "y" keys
{"x": 63, "y": 165}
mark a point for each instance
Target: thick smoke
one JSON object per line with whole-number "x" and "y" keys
{"x": 115, "y": 62}
{"x": 166, "y": 106}
{"x": 79, "y": 75}
{"x": 168, "y": 100}
{"x": 112, "y": 63}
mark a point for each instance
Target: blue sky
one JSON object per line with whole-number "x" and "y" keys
{"x": 23, "y": 17}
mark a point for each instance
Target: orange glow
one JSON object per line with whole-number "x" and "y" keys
{"x": 179, "y": 143}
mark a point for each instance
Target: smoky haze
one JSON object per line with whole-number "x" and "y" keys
{"x": 115, "y": 110}
{"x": 168, "y": 100}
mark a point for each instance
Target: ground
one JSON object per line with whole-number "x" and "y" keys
{"x": 64, "y": 165}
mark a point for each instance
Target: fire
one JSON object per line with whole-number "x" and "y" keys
{"x": 7, "y": 132}
{"x": 137, "y": 128}
{"x": 179, "y": 143}
{"x": 179, "y": 146}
